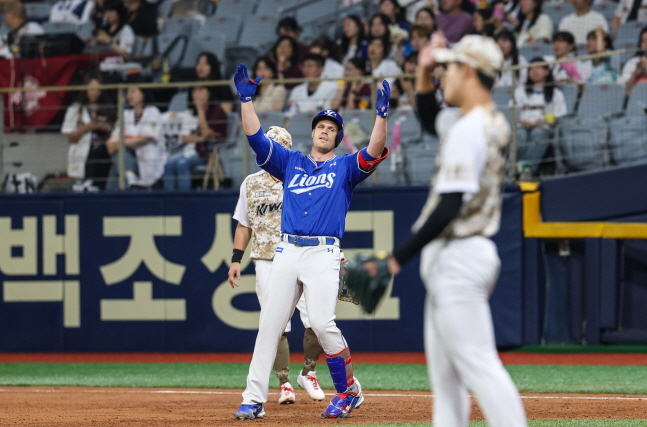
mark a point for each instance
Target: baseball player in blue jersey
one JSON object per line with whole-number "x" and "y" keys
{"x": 317, "y": 193}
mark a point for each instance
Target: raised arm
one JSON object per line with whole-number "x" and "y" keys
{"x": 246, "y": 89}
{"x": 378, "y": 136}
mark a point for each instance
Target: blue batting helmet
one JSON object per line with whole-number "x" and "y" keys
{"x": 333, "y": 117}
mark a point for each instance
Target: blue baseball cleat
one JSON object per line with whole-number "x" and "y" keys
{"x": 249, "y": 412}
{"x": 342, "y": 404}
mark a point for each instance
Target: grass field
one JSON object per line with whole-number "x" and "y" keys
{"x": 529, "y": 378}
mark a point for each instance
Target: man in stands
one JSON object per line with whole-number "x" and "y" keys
{"x": 583, "y": 21}
{"x": 16, "y": 20}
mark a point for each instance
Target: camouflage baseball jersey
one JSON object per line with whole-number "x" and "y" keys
{"x": 264, "y": 204}
{"x": 471, "y": 160}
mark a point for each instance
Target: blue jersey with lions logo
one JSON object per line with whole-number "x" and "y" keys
{"x": 316, "y": 195}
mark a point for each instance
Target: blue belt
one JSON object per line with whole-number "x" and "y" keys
{"x": 309, "y": 241}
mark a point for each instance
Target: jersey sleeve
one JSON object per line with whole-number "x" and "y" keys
{"x": 462, "y": 159}
{"x": 150, "y": 123}
{"x": 71, "y": 121}
{"x": 270, "y": 155}
{"x": 241, "y": 214}
{"x": 364, "y": 164}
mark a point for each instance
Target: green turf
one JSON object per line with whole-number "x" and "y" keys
{"x": 580, "y": 348}
{"x": 529, "y": 378}
{"x": 537, "y": 423}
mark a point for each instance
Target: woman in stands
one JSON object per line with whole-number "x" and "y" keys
{"x": 380, "y": 27}
{"x": 425, "y": 17}
{"x": 285, "y": 54}
{"x": 635, "y": 69}
{"x": 508, "y": 45}
{"x": 207, "y": 68}
{"x": 533, "y": 26}
{"x": 87, "y": 124}
{"x": 378, "y": 63}
{"x": 566, "y": 72}
{"x": 599, "y": 70}
{"x": 540, "y": 103}
{"x": 355, "y": 94}
{"x": 116, "y": 33}
{"x": 269, "y": 96}
{"x": 144, "y": 154}
{"x": 203, "y": 127}
{"x": 396, "y": 13}
{"x": 353, "y": 39}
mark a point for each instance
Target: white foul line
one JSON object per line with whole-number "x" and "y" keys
{"x": 108, "y": 390}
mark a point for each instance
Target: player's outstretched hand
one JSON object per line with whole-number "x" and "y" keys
{"x": 246, "y": 87}
{"x": 234, "y": 273}
{"x": 382, "y": 101}
{"x": 368, "y": 277}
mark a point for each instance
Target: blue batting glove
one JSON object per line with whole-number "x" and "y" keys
{"x": 246, "y": 87}
{"x": 382, "y": 101}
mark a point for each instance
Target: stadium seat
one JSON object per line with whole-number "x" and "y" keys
{"x": 607, "y": 9}
{"x": 259, "y": 31}
{"x": 232, "y": 160}
{"x": 502, "y": 96}
{"x": 601, "y": 100}
{"x": 229, "y": 25}
{"x": 179, "y": 102}
{"x": 273, "y": 7}
{"x": 59, "y": 27}
{"x": 164, "y": 8}
{"x": 300, "y": 127}
{"x": 637, "y": 103}
{"x": 582, "y": 144}
{"x": 410, "y": 129}
{"x": 38, "y": 12}
{"x": 536, "y": 50}
{"x": 172, "y": 48}
{"x": 315, "y": 11}
{"x": 629, "y": 32}
{"x": 181, "y": 26}
{"x": 628, "y": 140}
{"x": 271, "y": 118}
{"x": 214, "y": 42}
{"x": 84, "y": 31}
{"x": 570, "y": 92}
{"x": 420, "y": 161}
{"x": 240, "y": 8}
{"x": 556, "y": 11}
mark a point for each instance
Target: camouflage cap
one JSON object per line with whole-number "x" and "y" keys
{"x": 280, "y": 135}
{"x": 481, "y": 53}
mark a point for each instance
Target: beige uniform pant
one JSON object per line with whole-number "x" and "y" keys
{"x": 459, "y": 275}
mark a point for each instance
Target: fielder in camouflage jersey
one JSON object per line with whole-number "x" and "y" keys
{"x": 258, "y": 212}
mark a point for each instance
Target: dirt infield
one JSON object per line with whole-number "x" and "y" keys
{"x": 76, "y": 406}
{"x": 358, "y": 357}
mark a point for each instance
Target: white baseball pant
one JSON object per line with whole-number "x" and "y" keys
{"x": 459, "y": 275}
{"x": 317, "y": 267}
{"x": 263, "y": 268}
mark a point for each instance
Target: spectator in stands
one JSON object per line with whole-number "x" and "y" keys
{"x": 195, "y": 9}
{"x": 482, "y": 23}
{"x": 508, "y": 45}
{"x": 453, "y": 21}
{"x": 379, "y": 26}
{"x": 144, "y": 155}
{"x": 207, "y": 67}
{"x": 628, "y": 10}
{"x": 599, "y": 70}
{"x": 116, "y": 34}
{"x": 583, "y": 21}
{"x": 73, "y": 11}
{"x": 285, "y": 54}
{"x": 403, "y": 94}
{"x": 635, "y": 69}
{"x": 378, "y": 63}
{"x": 353, "y": 39}
{"x": 355, "y": 94}
{"x": 396, "y": 13}
{"x": 504, "y": 13}
{"x": 311, "y": 96}
{"x": 533, "y": 26}
{"x": 564, "y": 46}
{"x": 425, "y": 17}
{"x": 540, "y": 103}
{"x": 288, "y": 26}
{"x": 142, "y": 17}
{"x": 87, "y": 124}
{"x": 97, "y": 15}
{"x": 15, "y": 19}
{"x": 269, "y": 96}
{"x": 420, "y": 37}
{"x": 328, "y": 49}
{"x": 204, "y": 125}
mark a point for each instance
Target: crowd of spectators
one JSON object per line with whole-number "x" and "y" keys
{"x": 383, "y": 44}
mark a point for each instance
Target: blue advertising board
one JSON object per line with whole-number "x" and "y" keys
{"x": 147, "y": 272}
